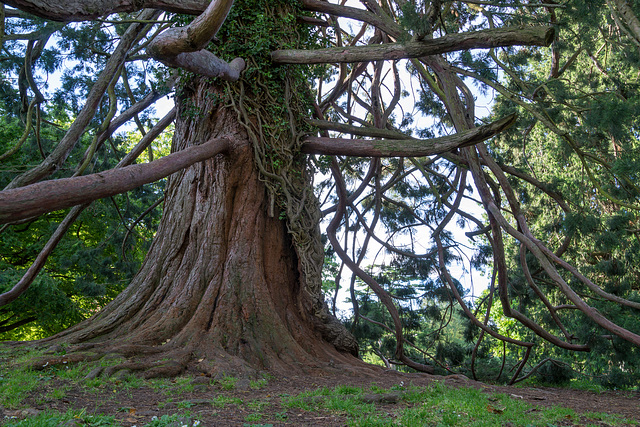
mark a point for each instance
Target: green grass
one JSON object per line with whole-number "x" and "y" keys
{"x": 252, "y": 418}
{"x": 257, "y": 385}
{"x": 222, "y": 401}
{"x": 228, "y": 383}
{"x": 16, "y": 385}
{"x": 185, "y": 404}
{"x": 437, "y": 405}
{"x": 58, "y": 392}
{"x": 55, "y": 419}
{"x": 258, "y": 404}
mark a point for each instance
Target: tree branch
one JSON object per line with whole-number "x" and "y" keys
{"x": 381, "y": 22}
{"x": 485, "y": 39}
{"x": 398, "y": 147}
{"x": 184, "y": 47}
{"x": 68, "y": 142}
{"x": 86, "y": 10}
{"x": 33, "y": 200}
{"x": 37, "y": 265}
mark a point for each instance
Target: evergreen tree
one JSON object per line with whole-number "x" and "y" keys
{"x": 233, "y": 279}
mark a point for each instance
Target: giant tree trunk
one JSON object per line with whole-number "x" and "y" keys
{"x": 221, "y": 285}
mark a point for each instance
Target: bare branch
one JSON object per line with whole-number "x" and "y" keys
{"x": 32, "y": 272}
{"x": 485, "y": 39}
{"x": 401, "y": 147}
{"x": 184, "y": 47}
{"x": 381, "y": 22}
{"x": 26, "y": 202}
{"x": 85, "y": 10}
{"x": 64, "y": 147}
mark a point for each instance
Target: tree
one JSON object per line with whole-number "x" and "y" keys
{"x": 232, "y": 281}
{"x": 594, "y": 92}
{"x": 105, "y": 246}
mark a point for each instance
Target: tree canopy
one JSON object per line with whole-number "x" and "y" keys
{"x": 361, "y": 116}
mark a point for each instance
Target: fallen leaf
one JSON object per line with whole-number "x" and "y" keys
{"x": 495, "y": 410}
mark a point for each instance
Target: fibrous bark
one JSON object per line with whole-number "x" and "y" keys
{"x": 221, "y": 284}
{"x": 83, "y": 10}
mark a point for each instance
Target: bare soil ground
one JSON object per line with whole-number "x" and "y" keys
{"x": 137, "y": 406}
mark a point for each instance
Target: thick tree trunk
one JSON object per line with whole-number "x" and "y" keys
{"x": 221, "y": 284}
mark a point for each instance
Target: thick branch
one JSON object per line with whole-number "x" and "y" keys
{"x": 48, "y": 196}
{"x": 86, "y": 10}
{"x": 521, "y": 36}
{"x": 37, "y": 265}
{"x": 399, "y": 147}
{"x": 194, "y": 36}
{"x": 184, "y": 47}
{"x": 77, "y": 128}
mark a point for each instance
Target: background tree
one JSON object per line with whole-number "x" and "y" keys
{"x": 233, "y": 279}
{"x": 589, "y": 206}
{"x": 106, "y": 245}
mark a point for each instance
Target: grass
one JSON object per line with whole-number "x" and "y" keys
{"x": 257, "y": 385}
{"x": 55, "y": 419}
{"x": 228, "y": 383}
{"x": 222, "y": 401}
{"x": 434, "y": 405}
{"x": 437, "y": 405}
{"x": 16, "y": 385}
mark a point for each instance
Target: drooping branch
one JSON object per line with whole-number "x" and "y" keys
{"x": 399, "y": 147}
{"x": 68, "y": 142}
{"x": 380, "y": 292}
{"x": 33, "y": 200}
{"x": 184, "y": 47}
{"x": 485, "y": 39}
{"x": 86, "y": 10}
{"x": 32, "y": 272}
{"x": 383, "y": 23}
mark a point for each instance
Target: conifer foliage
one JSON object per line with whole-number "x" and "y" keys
{"x": 289, "y": 114}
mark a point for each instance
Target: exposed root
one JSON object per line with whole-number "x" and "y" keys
{"x": 167, "y": 361}
{"x": 46, "y": 362}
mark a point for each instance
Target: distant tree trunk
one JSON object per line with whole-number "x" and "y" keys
{"x": 221, "y": 284}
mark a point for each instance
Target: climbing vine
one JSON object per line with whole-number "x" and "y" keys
{"x": 271, "y": 102}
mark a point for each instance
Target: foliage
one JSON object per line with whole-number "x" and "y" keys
{"x": 104, "y": 248}
{"x": 578, "y": 134}
{"x": 558, "y": 239}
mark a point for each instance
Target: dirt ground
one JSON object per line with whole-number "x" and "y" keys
{"x": 137, "y": 406}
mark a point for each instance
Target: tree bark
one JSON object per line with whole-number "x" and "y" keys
{"x": 409, "y": 147}
{"x": 33, "y": 200}
{"x": 221, "y": 285}
{"x": 485, "y": 39}
{"x": 85, "y": 10}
